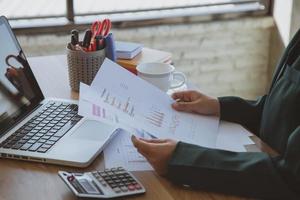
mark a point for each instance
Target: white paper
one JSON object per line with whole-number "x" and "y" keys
{"x": 121, "y": 152}
{"x": 232, "y": 137}
{"x": 100, "y": 112}
{"x": 145, "y": 107}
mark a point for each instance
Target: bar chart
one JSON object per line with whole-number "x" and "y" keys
{"x": 155, "y": 117}
{"x": 125, "y": 104}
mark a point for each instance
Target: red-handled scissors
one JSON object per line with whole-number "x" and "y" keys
{"x": 101, "y": 28}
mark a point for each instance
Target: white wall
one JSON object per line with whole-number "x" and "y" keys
{"x": 295, "y": 21}
{"x": 282, "y": 14}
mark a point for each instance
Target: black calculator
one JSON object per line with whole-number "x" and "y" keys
{"x": 110, "y": 183}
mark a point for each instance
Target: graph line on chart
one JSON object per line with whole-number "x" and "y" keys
{"x": 125, "y": 105}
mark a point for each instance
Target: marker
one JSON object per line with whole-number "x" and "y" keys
{"x": 87, "y": 38}
{"x": 110, "y": 50}
{"x": 75, "y": 32}
{"x": 73, "y": 40}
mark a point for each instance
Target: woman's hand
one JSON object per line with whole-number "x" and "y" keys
{"x": 196, "y": 102}
{"x": 157, "y": 151}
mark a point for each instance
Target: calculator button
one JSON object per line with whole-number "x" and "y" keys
{"x": 131, "y": 187}
{"x": 124, "y": 189}
{"x": 102, "y": 174}
{"x": 71, "y": 178}
{"x": 138, "y": 187}
{"x": 117, "y": 190}
{"x": 107, "y": 178}
{"x": 121, "y": 184}
{"x": 110, "y": 173}
{"x": 95, "y": 173}
{"x": 121, "y": 176}
{"x": 103, "y": 183}
{"x": 131, "y": 179}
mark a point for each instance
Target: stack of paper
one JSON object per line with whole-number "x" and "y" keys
{"x": 122, "y": 98}
{"x": 233, "y": 137}
{"x": 118, "y": 97}
{"x": 121, "y": 152}
{"x": 127, "y": 50}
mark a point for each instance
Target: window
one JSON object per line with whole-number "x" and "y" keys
{"x": 45, "y": 13}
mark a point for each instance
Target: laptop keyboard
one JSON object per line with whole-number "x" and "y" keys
{"x": 46, "y": 128}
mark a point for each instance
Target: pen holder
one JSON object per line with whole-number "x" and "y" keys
{"x": 83, "y": 66}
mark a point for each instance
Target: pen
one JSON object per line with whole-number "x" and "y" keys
{"x": 87, "y": 38}
{"x": 73, "y": 40}
{"x": 99, "y": 42}
{"x": 110, "y": 50}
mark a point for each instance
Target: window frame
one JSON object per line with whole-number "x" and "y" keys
{"x": 63, "y": 23}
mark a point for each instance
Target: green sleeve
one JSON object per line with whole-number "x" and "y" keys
{"x": 245, "y": 173}
{"x": 245, "y": 112}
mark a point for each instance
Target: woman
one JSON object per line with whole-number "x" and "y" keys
{"x": 274, "y": 117}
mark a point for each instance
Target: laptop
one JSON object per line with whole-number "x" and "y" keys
{"x": 35, "y": 128}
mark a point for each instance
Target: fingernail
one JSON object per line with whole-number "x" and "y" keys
{"x": 175, "y": 104}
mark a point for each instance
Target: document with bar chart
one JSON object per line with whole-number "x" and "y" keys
{"x": 132, "y": 102}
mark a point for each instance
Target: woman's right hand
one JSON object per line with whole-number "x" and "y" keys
{"x": 196, "y": 102}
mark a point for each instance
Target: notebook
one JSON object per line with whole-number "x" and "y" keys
{"x": 127, "y": 50}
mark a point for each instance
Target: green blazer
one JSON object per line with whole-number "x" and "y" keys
{"x": 275, "y": 118}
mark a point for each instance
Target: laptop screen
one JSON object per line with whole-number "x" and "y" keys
{"x": 19, "y": 91}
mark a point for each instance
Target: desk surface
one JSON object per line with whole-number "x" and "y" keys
{"x": 28, "y": 180}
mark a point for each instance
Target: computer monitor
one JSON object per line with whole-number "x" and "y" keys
{"x": 19, "y": 90}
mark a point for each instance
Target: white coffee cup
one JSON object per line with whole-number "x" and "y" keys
{"x": 161, "y": 75}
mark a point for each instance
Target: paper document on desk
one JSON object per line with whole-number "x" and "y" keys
{"x": 140, "y": 105}
{"x": 233, "y": 137}
{"x": 121, "y": 152}
{"x": 101, "y": 112}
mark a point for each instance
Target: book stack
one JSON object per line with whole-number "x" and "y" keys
{"x": 127, "y": 50}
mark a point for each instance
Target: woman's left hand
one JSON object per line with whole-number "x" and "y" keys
{"x": 157, "y": 151}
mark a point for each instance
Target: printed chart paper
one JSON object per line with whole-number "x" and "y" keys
{"x": 121, "y": 152}
{"x": 142, "y": 106}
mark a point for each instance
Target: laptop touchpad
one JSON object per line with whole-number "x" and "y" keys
{"x": 93, "y": 130}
